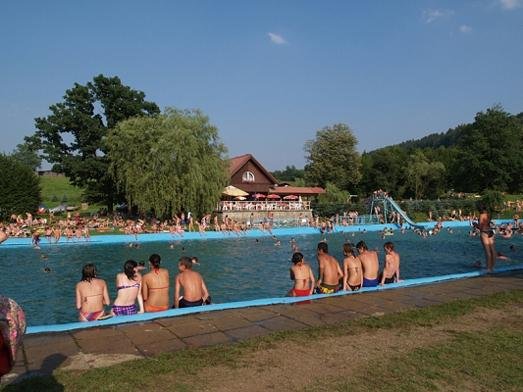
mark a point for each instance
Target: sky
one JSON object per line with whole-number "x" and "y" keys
{"x": 270, "y": 74}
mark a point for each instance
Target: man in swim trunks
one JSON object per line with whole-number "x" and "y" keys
{"x": 195, "y": 291}
{"x": 303, "y": 277}
{"x": 330, "y": 273}
{"x": 370, "y": 264}
{"x": 391, "y": 270}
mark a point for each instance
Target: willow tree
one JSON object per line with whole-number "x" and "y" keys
{"x": 168, "y": 163}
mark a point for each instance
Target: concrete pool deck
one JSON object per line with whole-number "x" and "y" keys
{"x": 43, "y": 353}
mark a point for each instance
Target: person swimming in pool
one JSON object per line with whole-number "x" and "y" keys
{"x": 303, "y": 277}
{"x": 195, "y": 291}
{"x": 329, "y": 273}
{"x": 370, "y": 264}
{"x": 91, "y": 295}
{"x": 391, "y": 269}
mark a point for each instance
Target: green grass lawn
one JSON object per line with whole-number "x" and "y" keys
{"x": 58, "y": 190}
{"x": 469, "y": 360}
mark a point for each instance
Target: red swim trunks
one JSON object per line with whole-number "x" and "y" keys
{"x": 301, "y": 293}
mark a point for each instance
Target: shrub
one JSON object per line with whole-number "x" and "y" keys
{"x": 19, "y": 188}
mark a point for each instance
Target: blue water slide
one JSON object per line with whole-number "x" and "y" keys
{"x": 404, "y": 214}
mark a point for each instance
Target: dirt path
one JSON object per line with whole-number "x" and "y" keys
{"x": 289, "y": 366}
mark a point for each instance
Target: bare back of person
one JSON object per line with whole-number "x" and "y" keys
{"x": 391, "y": 270}
{"x": 191, "y": 283}
{"x": 354, "y": 273}
{"x": 331, "y": 271}
{"x": 92, "y": 296}
{"x": 370, "y": 264}
{"x": 128, "y": 290}
{"x": 301, "y": 274}
{"x": 155, "y": 289}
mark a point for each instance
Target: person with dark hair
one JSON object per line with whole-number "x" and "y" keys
{"x": 302, "y": 275}
{"x": 370, "y": 264}
{"x": 195, "y": 291}
{"x": 129, "y": 290}
{"x": 329, "y": 273}
{"x": 155, "y": 286}
{"x": 352, "y": 269}
{"x": 91, "y": 295}
{"x": 391, "y": 269}
{"x": 487, "y": 236}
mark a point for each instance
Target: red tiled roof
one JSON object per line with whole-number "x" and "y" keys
{"x": 297, "y": 190}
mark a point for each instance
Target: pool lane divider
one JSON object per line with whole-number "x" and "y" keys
{"x": 218, "y": 235}
{"x": 118, "y": 320}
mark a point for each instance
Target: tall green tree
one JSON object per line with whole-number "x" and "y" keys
{"x": 491, "y": 154}
{"x": 384, "y": 169}
{"x": 169, "y": 163}
{"x": 71, "y": 137}
{"x": 290, "y": 173}
{"x": 19, "y": 188}
{"x": 25, "y": 154}
{"x": 332, "y": 157}
{"x": 425, "y": 178}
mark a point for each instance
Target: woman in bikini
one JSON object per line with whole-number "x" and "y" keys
{"x": 352, "y": 271}
{"x": 91, "y": 295}
{"x": 129, "y": 289}
{"x": 155, "y": 286}
{"x": 303, "y": 277}
{"x": 486, "y": 236}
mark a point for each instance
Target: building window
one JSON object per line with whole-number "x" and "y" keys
{"x": 248, "y": 177}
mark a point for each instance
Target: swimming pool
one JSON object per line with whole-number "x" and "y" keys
{"x": 235, "y": 269}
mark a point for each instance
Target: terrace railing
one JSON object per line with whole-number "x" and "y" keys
{"x": 282, "y": 205}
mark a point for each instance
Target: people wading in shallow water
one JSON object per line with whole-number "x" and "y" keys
{"x": 487, "y": 236}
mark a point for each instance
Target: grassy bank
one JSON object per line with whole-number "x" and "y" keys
{"x": 438, "y": 347}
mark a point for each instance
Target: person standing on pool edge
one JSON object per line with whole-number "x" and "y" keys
{"x": 486, "y": 236}
{"x": 370, "y": 264}
{"x": 330, "y": 273}
{"x": 195, "y": 291}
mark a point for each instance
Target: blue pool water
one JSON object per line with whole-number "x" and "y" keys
{"x": 235, "y": 269}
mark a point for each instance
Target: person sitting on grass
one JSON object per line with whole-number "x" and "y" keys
{"x": 391, "y": 269}
{"x": 155, "y": 286}
{"x": 303, "y": 277}
{"x": 195, "y": 291}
